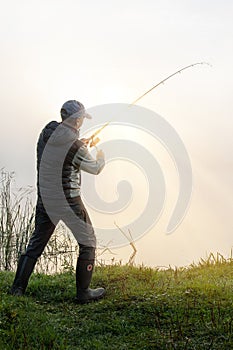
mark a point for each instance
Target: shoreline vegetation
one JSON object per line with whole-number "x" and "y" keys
{"x": 144, "y": 308}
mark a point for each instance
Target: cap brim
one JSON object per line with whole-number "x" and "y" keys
{"x": 88, "y": 116}
{"x": 79, "y": 114}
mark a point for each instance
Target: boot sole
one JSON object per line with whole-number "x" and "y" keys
{"x": 16, "y": 292}
{"x": 87, "y": 301}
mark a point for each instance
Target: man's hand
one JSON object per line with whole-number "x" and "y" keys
{"x": 85, "y": 141}
{"x": 99, "y": 154}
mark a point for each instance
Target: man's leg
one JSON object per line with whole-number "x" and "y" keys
{"x": 83, "y": 231}
{"x": 40, "y": 237}
{"x": 84, "y": 270}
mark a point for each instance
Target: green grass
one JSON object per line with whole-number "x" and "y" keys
{"x": 143, "y": 309}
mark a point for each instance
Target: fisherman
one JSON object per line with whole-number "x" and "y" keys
{"x": 60, "y": 151}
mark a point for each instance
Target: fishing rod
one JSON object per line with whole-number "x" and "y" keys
{"x": 163, "y": 81}
{"x": 95, "y": 141}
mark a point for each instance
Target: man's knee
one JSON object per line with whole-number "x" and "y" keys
{"x": 86, "y": 253}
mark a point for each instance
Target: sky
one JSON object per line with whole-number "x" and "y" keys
{"x": 111, "y": 52}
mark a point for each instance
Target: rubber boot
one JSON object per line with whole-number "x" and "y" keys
{"x": 24, "y": 270}
{"x": 84, "y": 272}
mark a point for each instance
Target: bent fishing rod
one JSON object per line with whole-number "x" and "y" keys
{"x": 163, "y": 81}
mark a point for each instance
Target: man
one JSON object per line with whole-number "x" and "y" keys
{"x": 60, "y": 158}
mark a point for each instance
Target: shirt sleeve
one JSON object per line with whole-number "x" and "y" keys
{"x": 84, "y": 160}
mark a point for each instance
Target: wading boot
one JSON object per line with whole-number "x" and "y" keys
{"x": 84, "y": 272}
{"x": 25, "y": 267}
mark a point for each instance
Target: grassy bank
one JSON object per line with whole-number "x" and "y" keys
{"x": 143, "y": 309}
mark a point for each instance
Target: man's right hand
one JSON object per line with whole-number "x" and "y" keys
{"x": 99, "y": 154}
{"x": 85, "y": 141}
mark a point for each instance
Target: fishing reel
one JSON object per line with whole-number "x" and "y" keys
{"x": 94, "y": 142}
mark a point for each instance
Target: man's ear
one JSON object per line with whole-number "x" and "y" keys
{"x": 64, "y": 113}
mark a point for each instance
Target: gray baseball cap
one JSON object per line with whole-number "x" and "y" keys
{"x": 75, "y": 109}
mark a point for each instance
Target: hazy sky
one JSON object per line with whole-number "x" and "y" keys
{"x": 112, "y": 51}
